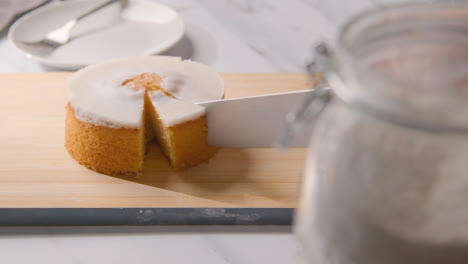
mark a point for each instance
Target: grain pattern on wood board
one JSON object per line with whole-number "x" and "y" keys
{"x": 37, "y": 172}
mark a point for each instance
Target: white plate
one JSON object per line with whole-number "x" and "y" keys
{"x": 137, "y": 27}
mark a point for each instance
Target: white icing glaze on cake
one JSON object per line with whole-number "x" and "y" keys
{"x": 97, "y": 95}
{"x": 173, "y": 111}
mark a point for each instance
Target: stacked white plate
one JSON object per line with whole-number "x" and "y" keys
{"x": 126, "y": 28}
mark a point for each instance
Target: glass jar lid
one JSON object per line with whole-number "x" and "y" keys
{"x": 407, "y": 63}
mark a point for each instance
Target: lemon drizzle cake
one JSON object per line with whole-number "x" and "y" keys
{"x": 115, "y": 108}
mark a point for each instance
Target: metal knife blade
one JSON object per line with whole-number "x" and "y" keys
{"x": 252, "y": 122}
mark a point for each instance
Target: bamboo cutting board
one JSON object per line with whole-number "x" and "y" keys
{"x": 37, "y": 172}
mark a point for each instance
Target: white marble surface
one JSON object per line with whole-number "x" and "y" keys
{"x": 231, "y": 36}
{"x": 241, "y": 35}
{"x": 124, "y": 245}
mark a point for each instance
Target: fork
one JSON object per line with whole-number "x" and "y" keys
{"x": 61, "y": 35}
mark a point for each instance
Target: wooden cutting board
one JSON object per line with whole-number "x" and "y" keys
{"x": 37, "y": 172}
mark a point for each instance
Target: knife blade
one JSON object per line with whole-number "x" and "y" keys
{"x": 253, "y": 122}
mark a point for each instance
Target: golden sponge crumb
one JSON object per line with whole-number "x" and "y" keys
{"x": 103, "y": 149}
{"x": 117, "y": 151}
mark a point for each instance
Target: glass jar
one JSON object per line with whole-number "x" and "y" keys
{"x": 386, "y": 177}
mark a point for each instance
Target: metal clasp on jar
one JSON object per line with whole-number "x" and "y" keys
{"x": 309, "y": 110}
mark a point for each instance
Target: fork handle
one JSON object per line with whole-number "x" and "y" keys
{"x": 97, "y": 8}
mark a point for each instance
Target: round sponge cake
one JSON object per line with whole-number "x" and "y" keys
{"x": 116, "y": 107}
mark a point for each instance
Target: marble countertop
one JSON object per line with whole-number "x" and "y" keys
{"x": 124, "y": 245}
{"x": 230, "y": 36}
{"x": 240, "y": 35}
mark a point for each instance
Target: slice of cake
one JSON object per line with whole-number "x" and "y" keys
{"x": 181, "y": 130}
{"x": 116, "y": 107}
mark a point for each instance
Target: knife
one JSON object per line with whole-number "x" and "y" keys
{"x": 253, "y": 122}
